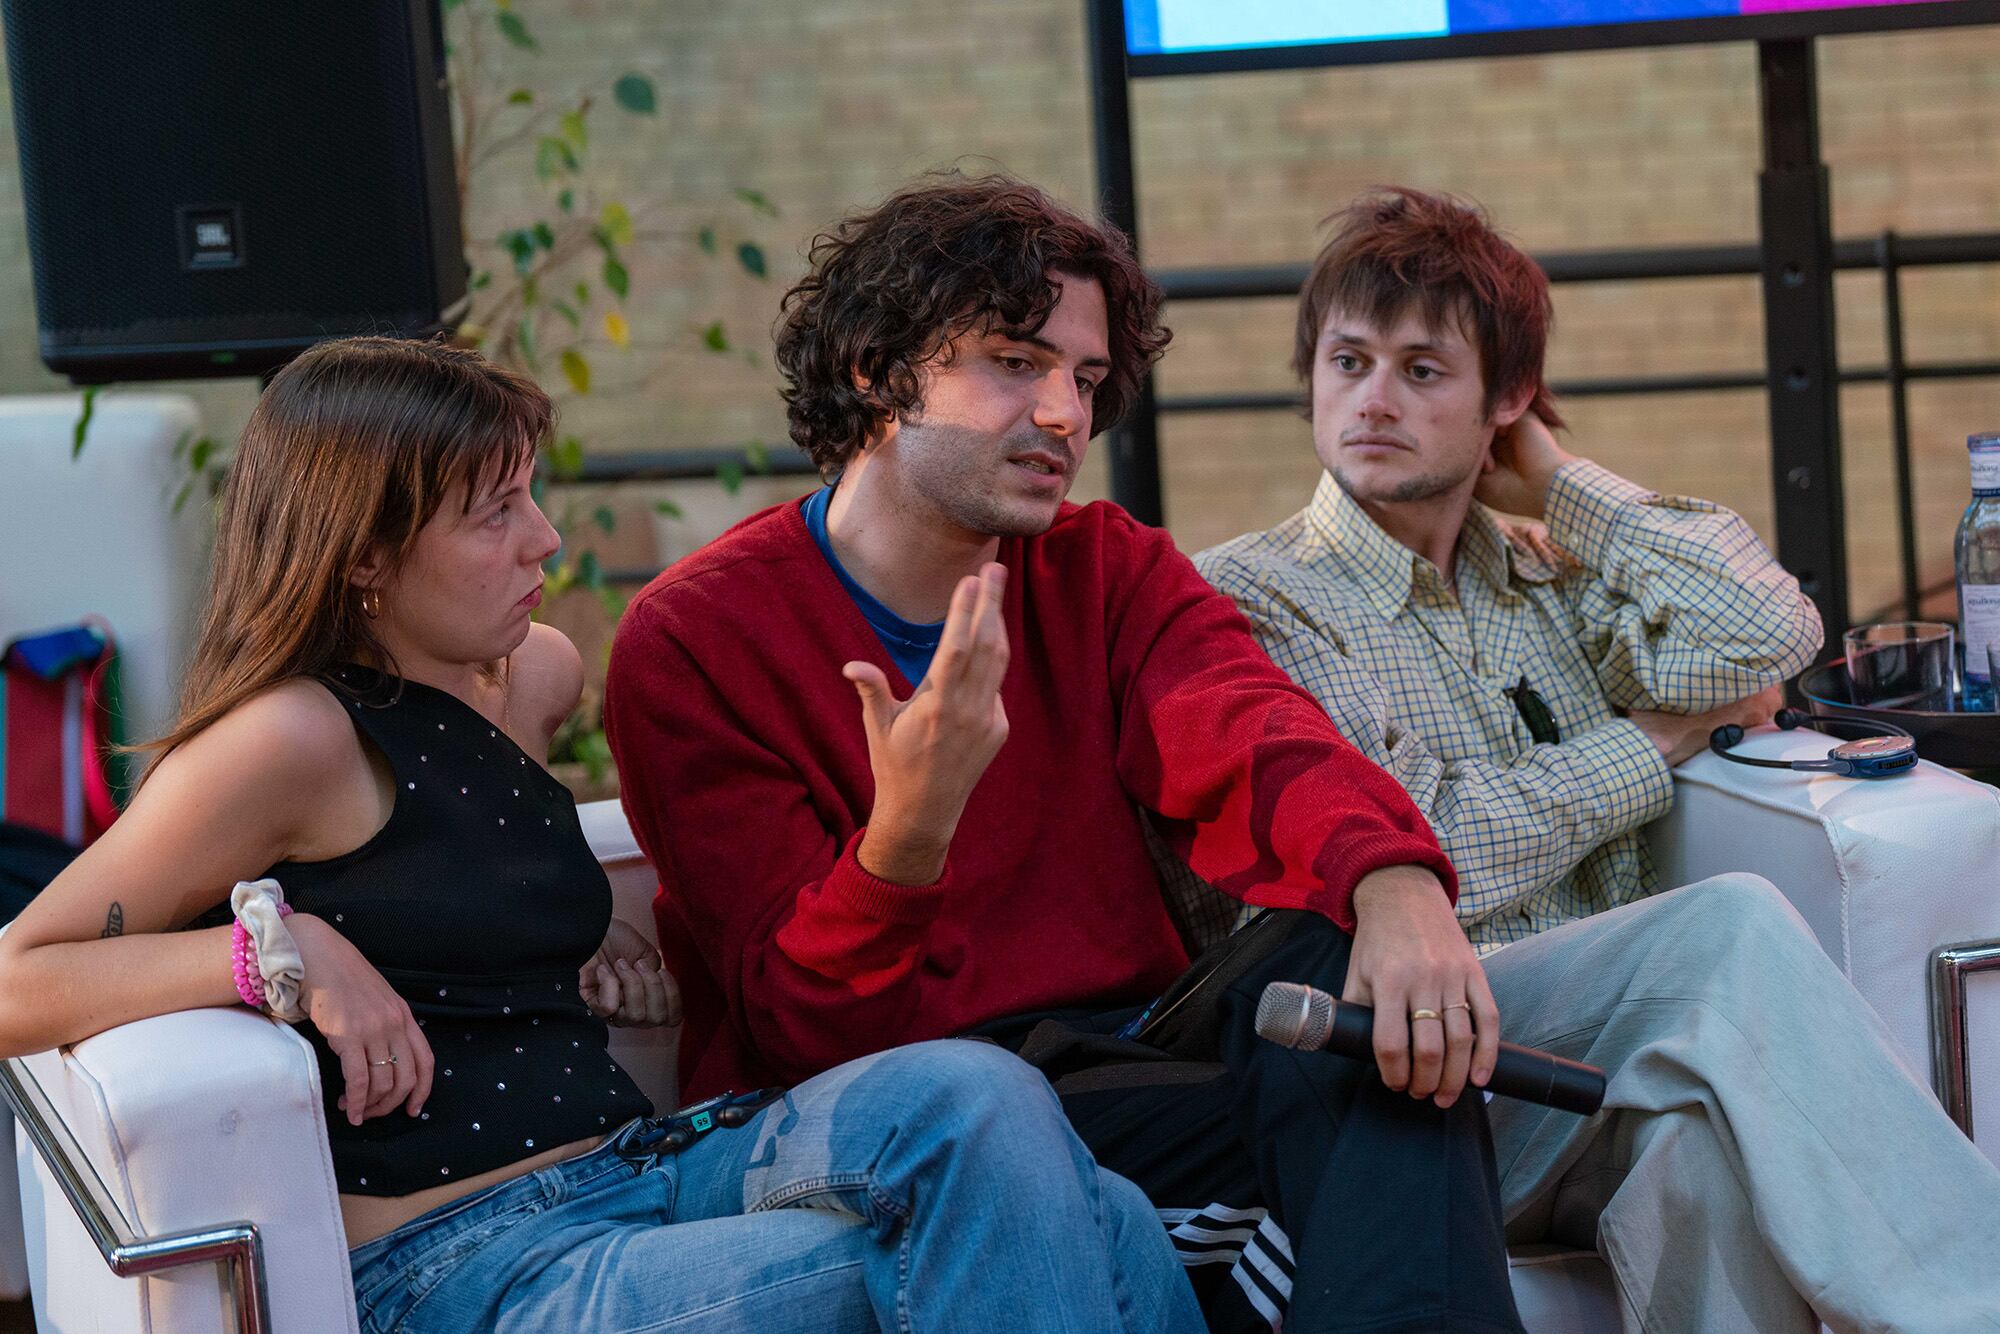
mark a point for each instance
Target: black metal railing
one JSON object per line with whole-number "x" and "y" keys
{"x": 1889, "y": 253}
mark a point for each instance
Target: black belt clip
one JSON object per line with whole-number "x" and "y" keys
{"x": 653, "y": 1137}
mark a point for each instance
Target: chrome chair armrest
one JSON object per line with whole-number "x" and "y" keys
{"x": 127, "y": 1251}
{"x": 1951, "y": 1036}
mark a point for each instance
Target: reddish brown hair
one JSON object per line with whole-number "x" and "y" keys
{"x": 1397, "y": 248}
{"x": 890, "y": 288}
{"x": 351, "y": 450}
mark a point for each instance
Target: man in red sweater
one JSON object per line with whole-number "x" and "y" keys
{"x": 895, "y": 750}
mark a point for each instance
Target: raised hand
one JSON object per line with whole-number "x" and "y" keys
{"x": 929, "y": 751}
{"x": 1516, "y": 475}
{"x": 626, "y": 985}
{"x": 1436, "y": 1024}
{"x": 383, "y": 1054}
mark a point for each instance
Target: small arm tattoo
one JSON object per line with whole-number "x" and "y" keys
{"x": 114, "y": 922}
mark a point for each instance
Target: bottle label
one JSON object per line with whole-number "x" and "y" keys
{"x": 1979, "y": 625}
{"x": 1986, "y": 468}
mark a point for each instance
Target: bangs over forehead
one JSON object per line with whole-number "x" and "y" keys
{"x": 1401, "y": 250}
{"x": 1438, "y": 313}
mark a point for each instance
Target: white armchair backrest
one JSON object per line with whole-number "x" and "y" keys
{"x": 99, "y": 535}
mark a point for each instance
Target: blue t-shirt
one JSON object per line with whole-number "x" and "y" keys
{"x": 910, "y": 646}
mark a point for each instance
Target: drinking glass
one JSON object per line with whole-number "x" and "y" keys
{"x": 1901, "y": 665}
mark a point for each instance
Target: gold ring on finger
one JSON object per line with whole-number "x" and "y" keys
{"x": 390, "y": 1061}
{"x": 1459, "y": 1005}
{"x": 1425, "y": 1014}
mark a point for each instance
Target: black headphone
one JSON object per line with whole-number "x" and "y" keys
{"x": 1883, "y": 751}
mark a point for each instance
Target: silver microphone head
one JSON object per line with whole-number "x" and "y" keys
{"x": 1296, "y": 1016}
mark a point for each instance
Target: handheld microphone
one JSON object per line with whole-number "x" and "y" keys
{"x": 1306, "y": 1019}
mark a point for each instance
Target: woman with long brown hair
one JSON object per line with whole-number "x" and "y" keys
{"x": 358, "y": 755}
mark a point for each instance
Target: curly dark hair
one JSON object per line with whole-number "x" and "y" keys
{"x": 891, "y": 288}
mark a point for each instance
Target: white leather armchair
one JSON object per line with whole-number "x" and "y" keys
{"x": 197, "y": 1121}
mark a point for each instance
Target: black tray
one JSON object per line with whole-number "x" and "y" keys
{"x": 1955, "y": 740}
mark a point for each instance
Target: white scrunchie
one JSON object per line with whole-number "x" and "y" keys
{"x": 255, "y": 903}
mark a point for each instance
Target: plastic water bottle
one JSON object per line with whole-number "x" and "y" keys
{"x": 1976, "y": 556}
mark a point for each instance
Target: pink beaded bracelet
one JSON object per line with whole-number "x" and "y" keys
{"x": 243, "y": 962}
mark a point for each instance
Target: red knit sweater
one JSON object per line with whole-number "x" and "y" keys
{"x": 1131, "y": 683}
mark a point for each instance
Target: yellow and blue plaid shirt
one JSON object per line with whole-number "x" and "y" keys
{"x": 1677, "y": 606}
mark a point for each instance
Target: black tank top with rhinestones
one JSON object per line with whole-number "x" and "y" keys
{"x": 478, "y": 901}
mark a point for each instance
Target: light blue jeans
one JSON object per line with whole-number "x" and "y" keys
{"x": 933, "y": 1187}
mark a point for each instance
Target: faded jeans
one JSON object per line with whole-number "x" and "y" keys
{"x": 933, "y": 1187}
{"x": 1764, "y": 1154}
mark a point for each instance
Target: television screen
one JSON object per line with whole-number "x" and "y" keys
{"x": 1162, "y": 35}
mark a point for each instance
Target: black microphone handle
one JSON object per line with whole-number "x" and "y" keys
{"x": 1518, "y": 1072}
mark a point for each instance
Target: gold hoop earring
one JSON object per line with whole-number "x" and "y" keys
{"x": 371, "y": 602}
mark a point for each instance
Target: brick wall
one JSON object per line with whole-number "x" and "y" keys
{"x": 824, "y": 106}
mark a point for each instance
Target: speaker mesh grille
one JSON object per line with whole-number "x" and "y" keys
{"x": 318, "y": 124}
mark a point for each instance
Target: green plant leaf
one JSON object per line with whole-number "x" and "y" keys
{"x": 531, "y": 292}
{"x": 516, "y": 31}
{"x": 634, "y": 92}
{"x": 705, "y": 238}
{"x": 553, "y": 155}
{"x": 479, "y": 279}
{"x": 566, "y": 458}
{"x": 200, "y": 453}
{"x": 574, "y": 131}
{"x": 83, "y": 417}
{"x": 180, "y": 448}
{"x": 751, "y": 256}
{"x": 594, "y": 752}
{"x": 568, "y": 312}
{"x": 576, "y": 369}
{"x": 521, "y": 97}
{"x": 566, "y": 201}
{"x": 617, "y": 223}
{"x": 714, "y": 339}
{"x": 758, "y": 202}
{"x": 668, "y": 508}
{"x": 582, "y": 294}
{"x": 525, "y": 336}
{"x": 615, "y": 277}
{"x": 521, "y": 246}
{"x": 614, "y": 601}
{"x": 545, "y": 236}
{"x": 730, "y": 473}
{"x": 604, "y": 518}
{"x": 589, "y": 572}
{"x": 181, "y": 496}
{"x": 758, "y": 457}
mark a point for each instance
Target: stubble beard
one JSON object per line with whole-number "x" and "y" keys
{"x": 1426, "y": 487}
{"x": 954, "y": 477}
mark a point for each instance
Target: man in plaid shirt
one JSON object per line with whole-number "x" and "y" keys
{"x": 1532, "y": 689}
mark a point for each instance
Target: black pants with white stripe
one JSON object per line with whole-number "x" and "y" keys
{"x": 1302, "y": 1193}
